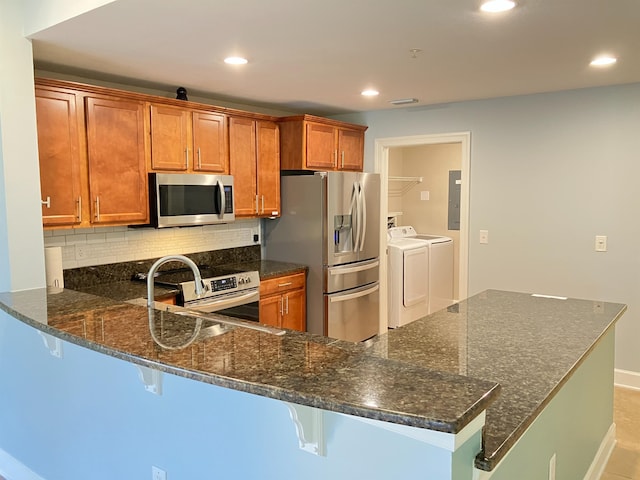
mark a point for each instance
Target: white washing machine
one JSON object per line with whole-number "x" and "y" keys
{"x": 440, "y": 265}
{"x": 408, "y": 281}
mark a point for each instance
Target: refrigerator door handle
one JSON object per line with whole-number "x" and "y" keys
{"x": 351, "y": 296}
{"x": 363, "y": 212}
{"x": 359, "y": 268}
{"x": 355, "y": 212}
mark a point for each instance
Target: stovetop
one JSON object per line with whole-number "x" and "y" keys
{"x": 174, "y": 277}
{"x": 218, "y": 281}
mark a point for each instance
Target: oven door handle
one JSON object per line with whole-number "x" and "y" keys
{"x": 209, "y": 305}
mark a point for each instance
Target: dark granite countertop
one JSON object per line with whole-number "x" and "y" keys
{"x": 504, "y": 352}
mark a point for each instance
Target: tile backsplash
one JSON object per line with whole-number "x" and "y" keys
{"x": 102, "y": 245}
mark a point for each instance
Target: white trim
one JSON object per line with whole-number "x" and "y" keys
{"x": 626, "y": 379}
{"x": 447, "y": 441}
{"x": 381, "y": 166}
{"x": 602, "y": 456}
{"x": 12, "y": 469}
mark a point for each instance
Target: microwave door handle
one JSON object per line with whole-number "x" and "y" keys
{"x": 222, "y": 198}
{"x": 355, "y": 224}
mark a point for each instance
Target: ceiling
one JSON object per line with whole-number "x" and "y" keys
{"x": 317, "y": 56}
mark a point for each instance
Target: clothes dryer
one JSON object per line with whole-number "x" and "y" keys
{"x": 408, "y": 281}
{"x": 440, "y": 265}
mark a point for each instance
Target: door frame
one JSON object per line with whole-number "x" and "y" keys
{"x": 382, "y": 146}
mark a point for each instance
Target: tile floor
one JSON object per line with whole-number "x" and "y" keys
{"x": 624, "y": 463}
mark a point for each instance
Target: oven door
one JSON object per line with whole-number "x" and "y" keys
{"x": 244, "y": 305}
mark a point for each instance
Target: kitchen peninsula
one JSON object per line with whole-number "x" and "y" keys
{"x": 466, "y": 393}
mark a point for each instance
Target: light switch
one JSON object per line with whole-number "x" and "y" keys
{"x": 424, "y": 195}
{"x": 601, "y": 243}
{"x": 484, "y": 236}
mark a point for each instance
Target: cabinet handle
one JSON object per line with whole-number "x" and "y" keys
{"x": 199, "y": 159}
{"x": 257, "y": 211}
{"x": 97, "y": 208}
{"x": 186, "y": 156}
{"x": 47, "y": 202}
{"x": 284, "y": 284}
{"x": 287, "y": 307}
{"x": 342, "y": 159}
{"x": 281, "y": 311}
{"x": 335, "y": 157}
{"x": 262, "y": 211}
{"x": 79, "y": 203}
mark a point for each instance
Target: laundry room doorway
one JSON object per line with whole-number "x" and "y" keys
{"x": 425, "y": 184}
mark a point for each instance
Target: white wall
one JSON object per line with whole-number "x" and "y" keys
{"x": 21, "y": 244}
{"x": 548, "y": 173}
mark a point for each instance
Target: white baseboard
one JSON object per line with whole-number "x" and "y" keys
{"x": 12, "y": 469}
{"x": 602, "y": 456}
{"x": 626, "y": 379}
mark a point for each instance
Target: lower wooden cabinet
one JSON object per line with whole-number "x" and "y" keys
{"x": 283, "y": 302}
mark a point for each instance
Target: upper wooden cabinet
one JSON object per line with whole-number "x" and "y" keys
{"x": 92, "y": 155}
{"x": 187, "y": 140}
{"x": 316, "y": 143}
{"x": 254, "y": 160}
{"x": 60, "y": 159}
{"x": 116, "y": 159}
{"x": 210, "y": 142}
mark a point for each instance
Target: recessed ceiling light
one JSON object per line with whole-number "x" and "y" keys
{"x": 235, "y": 60}
{"x": 494, "y": 6}
{"x": 369, "y": 93}
{"x": 603, "y": 61}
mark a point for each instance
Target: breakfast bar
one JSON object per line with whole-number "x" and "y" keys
{"x": 457, "y": 394}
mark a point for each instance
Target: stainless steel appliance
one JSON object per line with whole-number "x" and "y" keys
{"x": 330, "y": 222}
{"x": 235, "y": 294}
{"x": 178, "y": 199}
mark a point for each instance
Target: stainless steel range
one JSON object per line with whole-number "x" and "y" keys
{"x": 235, "y": 294}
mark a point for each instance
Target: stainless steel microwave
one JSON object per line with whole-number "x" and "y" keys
{"x": 178, "y": 200}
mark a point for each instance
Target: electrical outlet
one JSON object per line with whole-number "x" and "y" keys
{"x": 158, "y": 474}
{"x": 81, "y": 252}
{"x": 601, "y": 243}
{"x": 484, "y": 236}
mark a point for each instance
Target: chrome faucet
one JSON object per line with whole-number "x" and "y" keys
{"x": 200, "y": 287}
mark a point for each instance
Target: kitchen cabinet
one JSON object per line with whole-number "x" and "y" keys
{"x": 116, "y": 160}
{"x": 92, "y": 155}
{"x": 187, "y": 140}
{"x": 315, "y": 143}
{"x": 283, "y": 302}
{"x": 254, "y": 161}
{"x": 59, "y": 154}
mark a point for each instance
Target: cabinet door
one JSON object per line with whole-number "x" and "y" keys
{"x": 270, "y": 310}
{"x": 169, "y": 137}
{"x": 268, "y": 160}
{"x": 116, "y": 151}
{"x": 210, "y": 142}
{"x": 59, "y": 153}
{"x": 350, "y": 149}
{"x": 321, "y": 146}
{"x": 294, "y": 308}
{"x": 242, "y": 164}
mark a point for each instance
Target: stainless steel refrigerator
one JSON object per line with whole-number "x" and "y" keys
{"x": 331, "y": 222}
